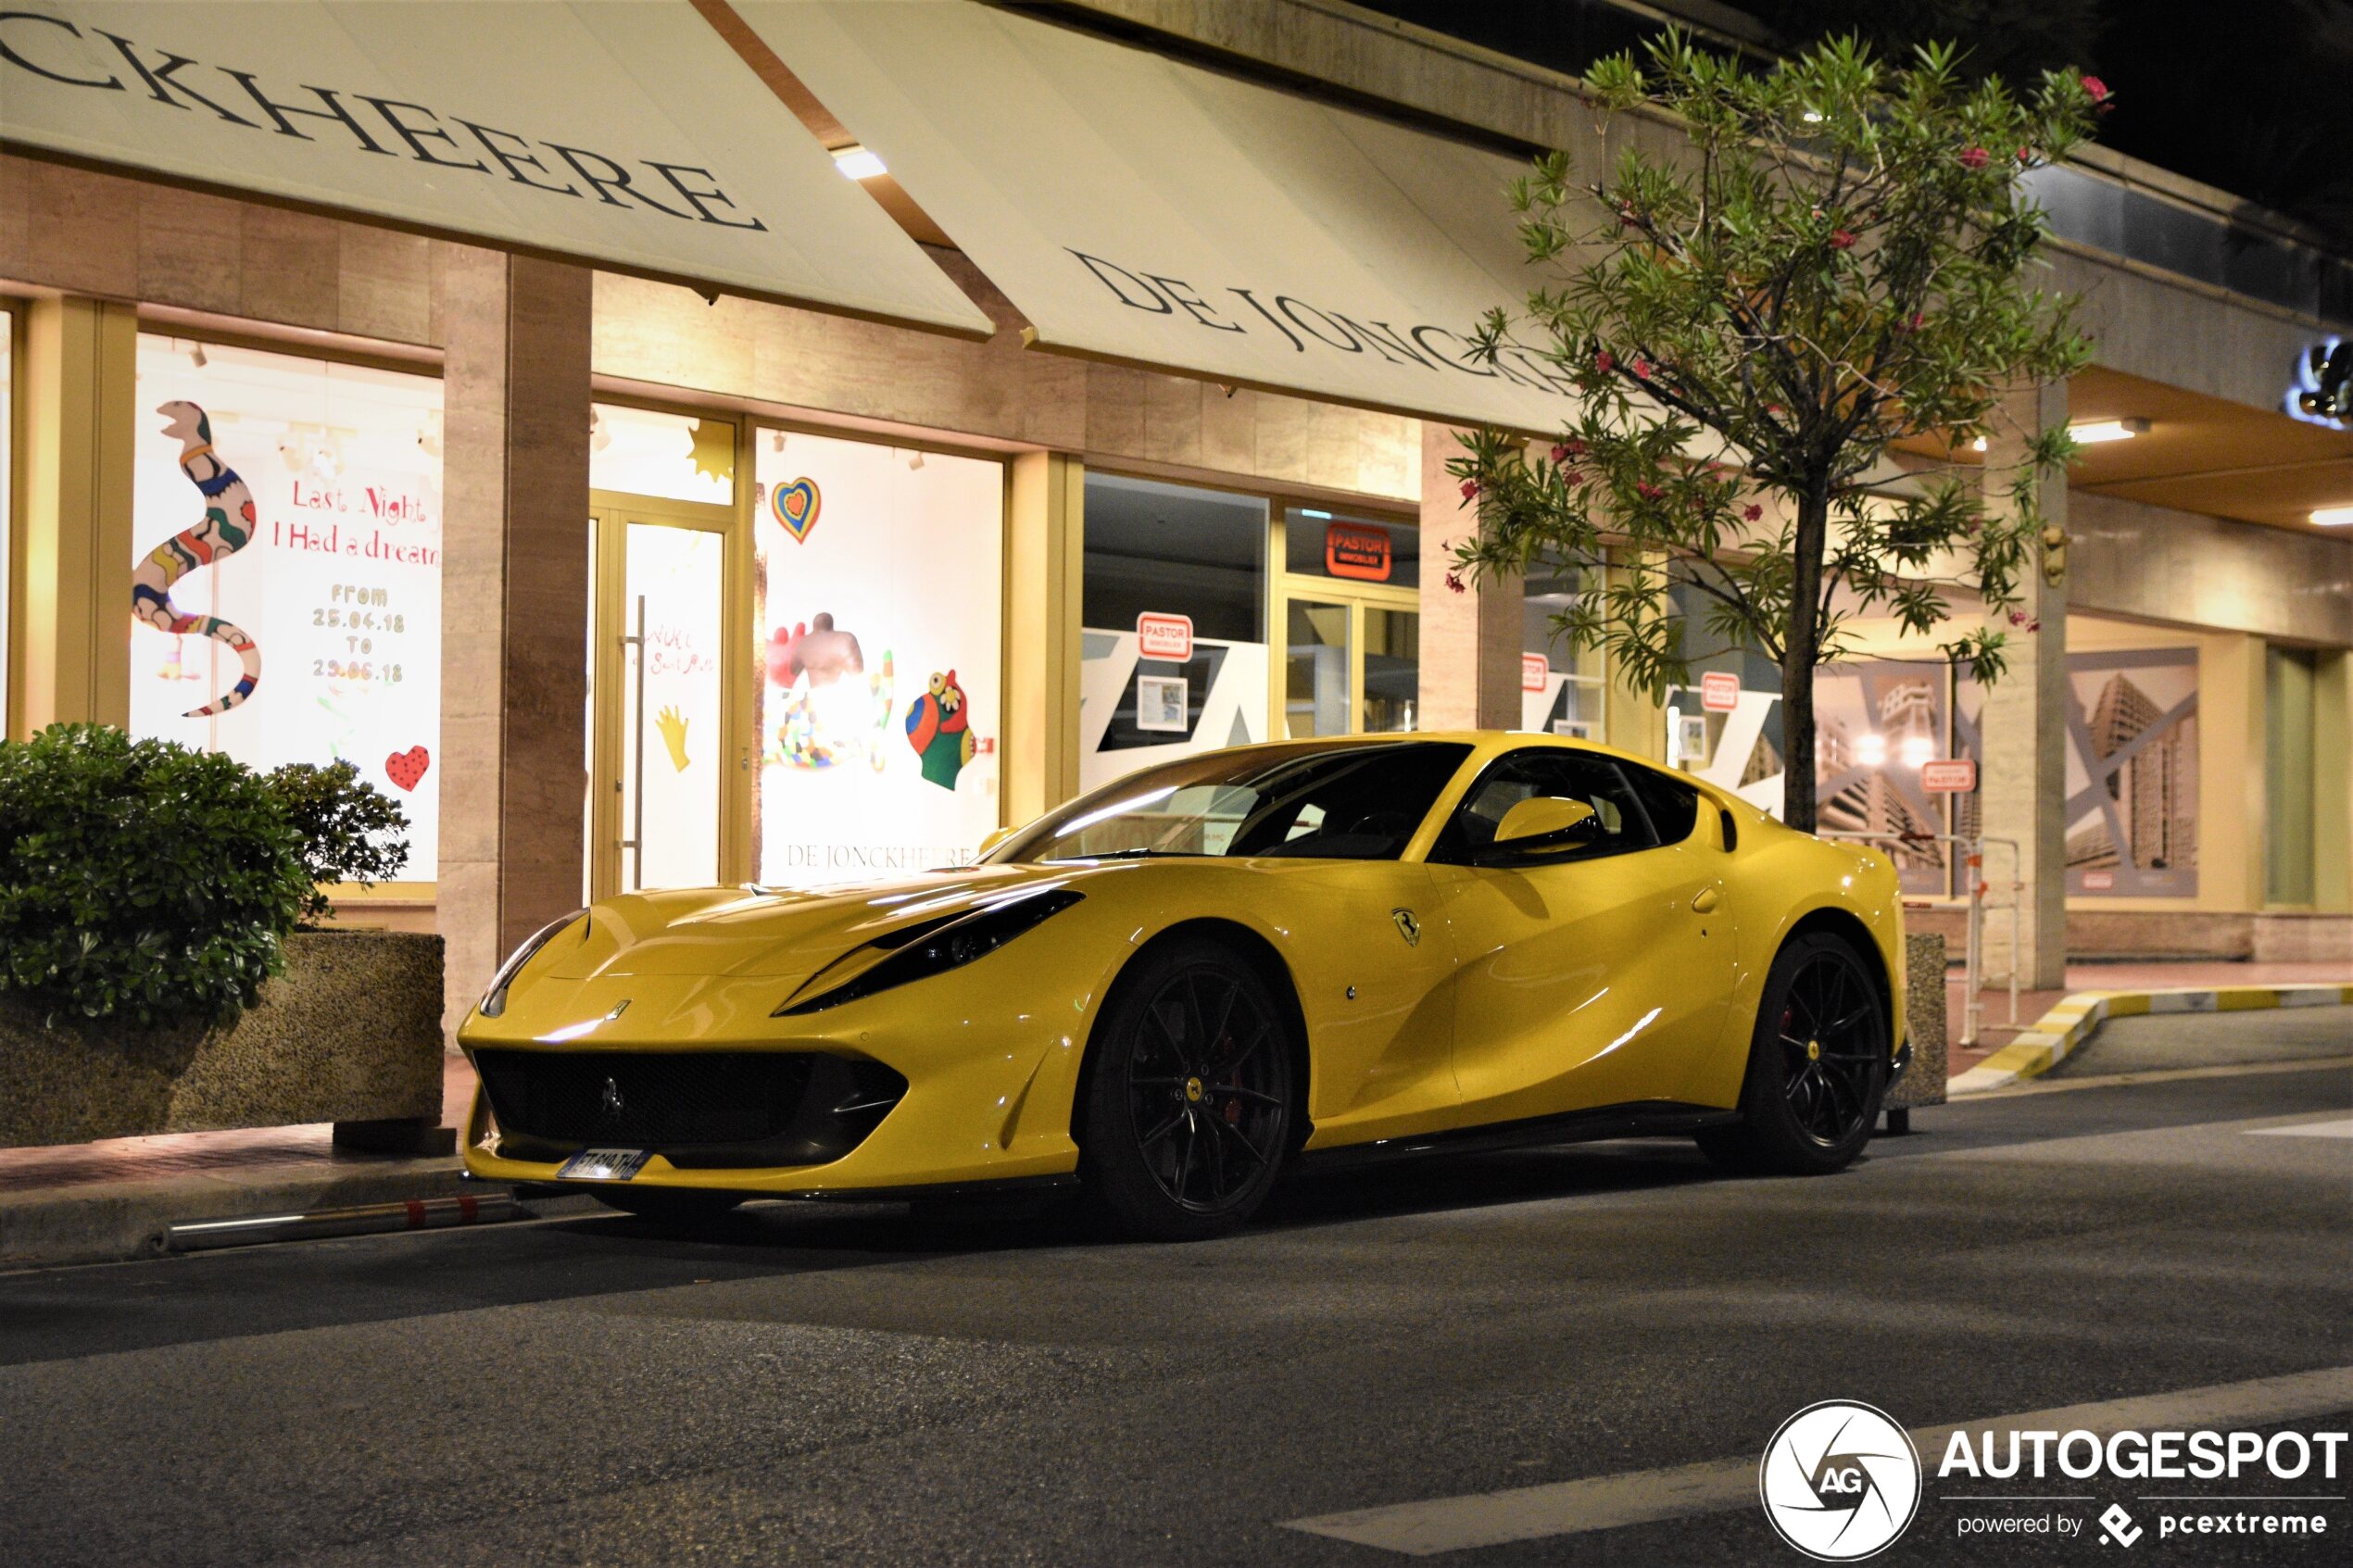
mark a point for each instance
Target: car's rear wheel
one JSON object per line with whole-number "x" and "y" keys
{"x": 1816, "y": 1065}
{"x": 1187, "y": 1112}
{"x": 669, "y": 1206}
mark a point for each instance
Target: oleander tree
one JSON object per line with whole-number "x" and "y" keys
{"x": 1839, "y": 259}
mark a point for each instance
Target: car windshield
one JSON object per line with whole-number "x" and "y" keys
{"x": 1359, "y": 802}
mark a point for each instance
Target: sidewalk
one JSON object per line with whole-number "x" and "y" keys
{"x": 1998, "y": 1031}
{"x": 110, "y": 1201}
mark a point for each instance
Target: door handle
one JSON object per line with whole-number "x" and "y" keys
{"x": 1705, "y": 900}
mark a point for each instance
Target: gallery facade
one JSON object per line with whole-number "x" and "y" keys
{"x": 954, "y": 409}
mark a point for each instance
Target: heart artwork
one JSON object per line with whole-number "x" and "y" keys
{"x": 406, "y": 768}
{"x": 796, "y": 507}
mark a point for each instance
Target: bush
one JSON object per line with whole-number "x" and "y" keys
{"x": 352, "y": 832}
{"x": 138, "y": 878}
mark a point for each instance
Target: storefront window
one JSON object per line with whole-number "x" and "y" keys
{"x": 675, "y": 457}
{"x": 1175, "y": 613}
{"x": 1875, "y": 724}
{"x": 286, "y": 566}
{"x": 1320, "y": 543}
{"x": 877, "y": 606}
{"x": 1561, "y": 687}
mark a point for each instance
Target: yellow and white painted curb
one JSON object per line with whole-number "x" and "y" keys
{"x": 2063, "y": 1030}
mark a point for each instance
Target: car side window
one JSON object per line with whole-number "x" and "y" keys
{"x": 1673, "y": 806}
{"x": 1618, "y": 824}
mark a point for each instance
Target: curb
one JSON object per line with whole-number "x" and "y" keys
{"x": 116, "y": 1221}
{"x": 2063, "y": 1030}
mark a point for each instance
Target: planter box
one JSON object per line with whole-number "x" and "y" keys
{"x": 349, "y": 1034}
{"x": 1924, "y": 1007}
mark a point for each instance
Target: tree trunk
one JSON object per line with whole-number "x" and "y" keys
{"x": 1801, "y": 646}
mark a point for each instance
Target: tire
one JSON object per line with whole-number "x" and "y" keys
{"x": 1817, "y": 1065}
{"x": 669, "y": 1206}
{"x": 1187, "y": 1109}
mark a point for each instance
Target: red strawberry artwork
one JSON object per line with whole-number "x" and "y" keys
{"x": 406, "y": 769}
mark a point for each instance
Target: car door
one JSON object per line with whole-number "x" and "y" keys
{"x": 1592, "y": 972}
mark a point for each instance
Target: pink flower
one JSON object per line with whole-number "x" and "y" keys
{"x": 2035, "y": 626}
{"x": 2095, "y": 90}
{"x": 1603, "y": 361}
{"x": 2018, "y": 617}
{"x": 1470, "y": 490}
{"x": 1573, "y": 477}
{"x": 1560, "y": 453}
{"x": 2026, "y": 155}
{"x": 1841, "y": 239}
{"x": 1973, "y": 157}
{"x": 1642, "y": 367}
{"x": 1752, "y": 513}
{"x": 1573, "y": 447}
{"x": 1454, "y": 582}
{"x": 1918, "y": 320}
{"x": 1648, "y": 491}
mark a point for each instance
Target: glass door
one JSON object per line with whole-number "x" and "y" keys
{"x": 1349, "y": 622}
{"x": 663, "y": 731}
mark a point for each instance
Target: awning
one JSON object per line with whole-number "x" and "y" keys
{"x": 1144, "y": 210}
{"x": 624, "y": 135}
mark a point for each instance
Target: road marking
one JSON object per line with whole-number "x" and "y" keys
{"x": 2307, "y": 1130}
{"x": 2160, "y": 1075}
{"x": 1611, "y": 1502}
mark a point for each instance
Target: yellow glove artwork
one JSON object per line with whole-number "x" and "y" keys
{"x": 673, "y": 736}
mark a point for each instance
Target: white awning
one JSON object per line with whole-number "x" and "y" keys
{"x": 627, "y": 135}
{"x": 1153, "y": 212}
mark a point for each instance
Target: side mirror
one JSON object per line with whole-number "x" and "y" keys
{"x": 1544, "y": 822}
{"x": 996, "y": 836}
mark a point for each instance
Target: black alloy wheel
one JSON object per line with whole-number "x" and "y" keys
{"x": 1832, "y": 1054}
{"x": 1188, "y": 1115}
{"x": 1817, "y": 1065}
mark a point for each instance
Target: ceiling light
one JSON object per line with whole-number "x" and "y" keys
{"x": 776, "y": 440}
{"x": 2334, "y": 517}
{"x": 2092, "y": 431}
{"x": 858, "y": 163}
{"x": 914, "y": 461}
{"x": 197, "y": 355}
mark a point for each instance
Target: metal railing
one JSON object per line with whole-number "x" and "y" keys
{"x": 1972, "y": 858}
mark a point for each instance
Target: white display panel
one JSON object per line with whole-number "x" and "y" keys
{"x": 877, "y": 610}
{"x": 337, "y": 583}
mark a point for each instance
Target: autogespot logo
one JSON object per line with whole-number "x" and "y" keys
{"x": 1840, "y": 1481}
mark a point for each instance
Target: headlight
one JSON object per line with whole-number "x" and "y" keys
{"x": 494, "y": 1002}
{"x": 935, "y": 949}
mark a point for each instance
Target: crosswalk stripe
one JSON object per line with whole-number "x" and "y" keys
{"x": 1611, "y": 1502}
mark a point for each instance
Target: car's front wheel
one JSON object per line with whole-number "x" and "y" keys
{"x": 1187, "y": 1112}
{"x": 1816, "y": 1065}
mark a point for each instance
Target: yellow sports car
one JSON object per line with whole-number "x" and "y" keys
{"x": 1174, "y": 987}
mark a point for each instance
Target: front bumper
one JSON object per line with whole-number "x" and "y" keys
{"x": 939, "y": 1082}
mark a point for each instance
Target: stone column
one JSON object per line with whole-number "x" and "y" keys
{"x": 2022, "y": 778}
{"x": 514, "y": 593}
{"x": 70, "y": 623}
{"x": 1044, "y": 557}
{"x": 1470, "y": 640}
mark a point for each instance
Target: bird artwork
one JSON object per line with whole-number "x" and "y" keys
{"x": 939, "y": 728}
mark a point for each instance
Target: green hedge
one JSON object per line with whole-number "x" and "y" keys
{"x": 140, "y": 879}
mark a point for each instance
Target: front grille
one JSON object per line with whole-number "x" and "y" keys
{"x": 696, "y": 1109}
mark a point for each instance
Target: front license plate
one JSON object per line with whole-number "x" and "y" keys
{"x": 604, "y": 1164}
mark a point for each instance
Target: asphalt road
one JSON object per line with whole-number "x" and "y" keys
{"x": 814, "y": 1384}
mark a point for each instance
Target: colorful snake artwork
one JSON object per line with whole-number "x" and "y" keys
{"x": 227, "y": 528}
